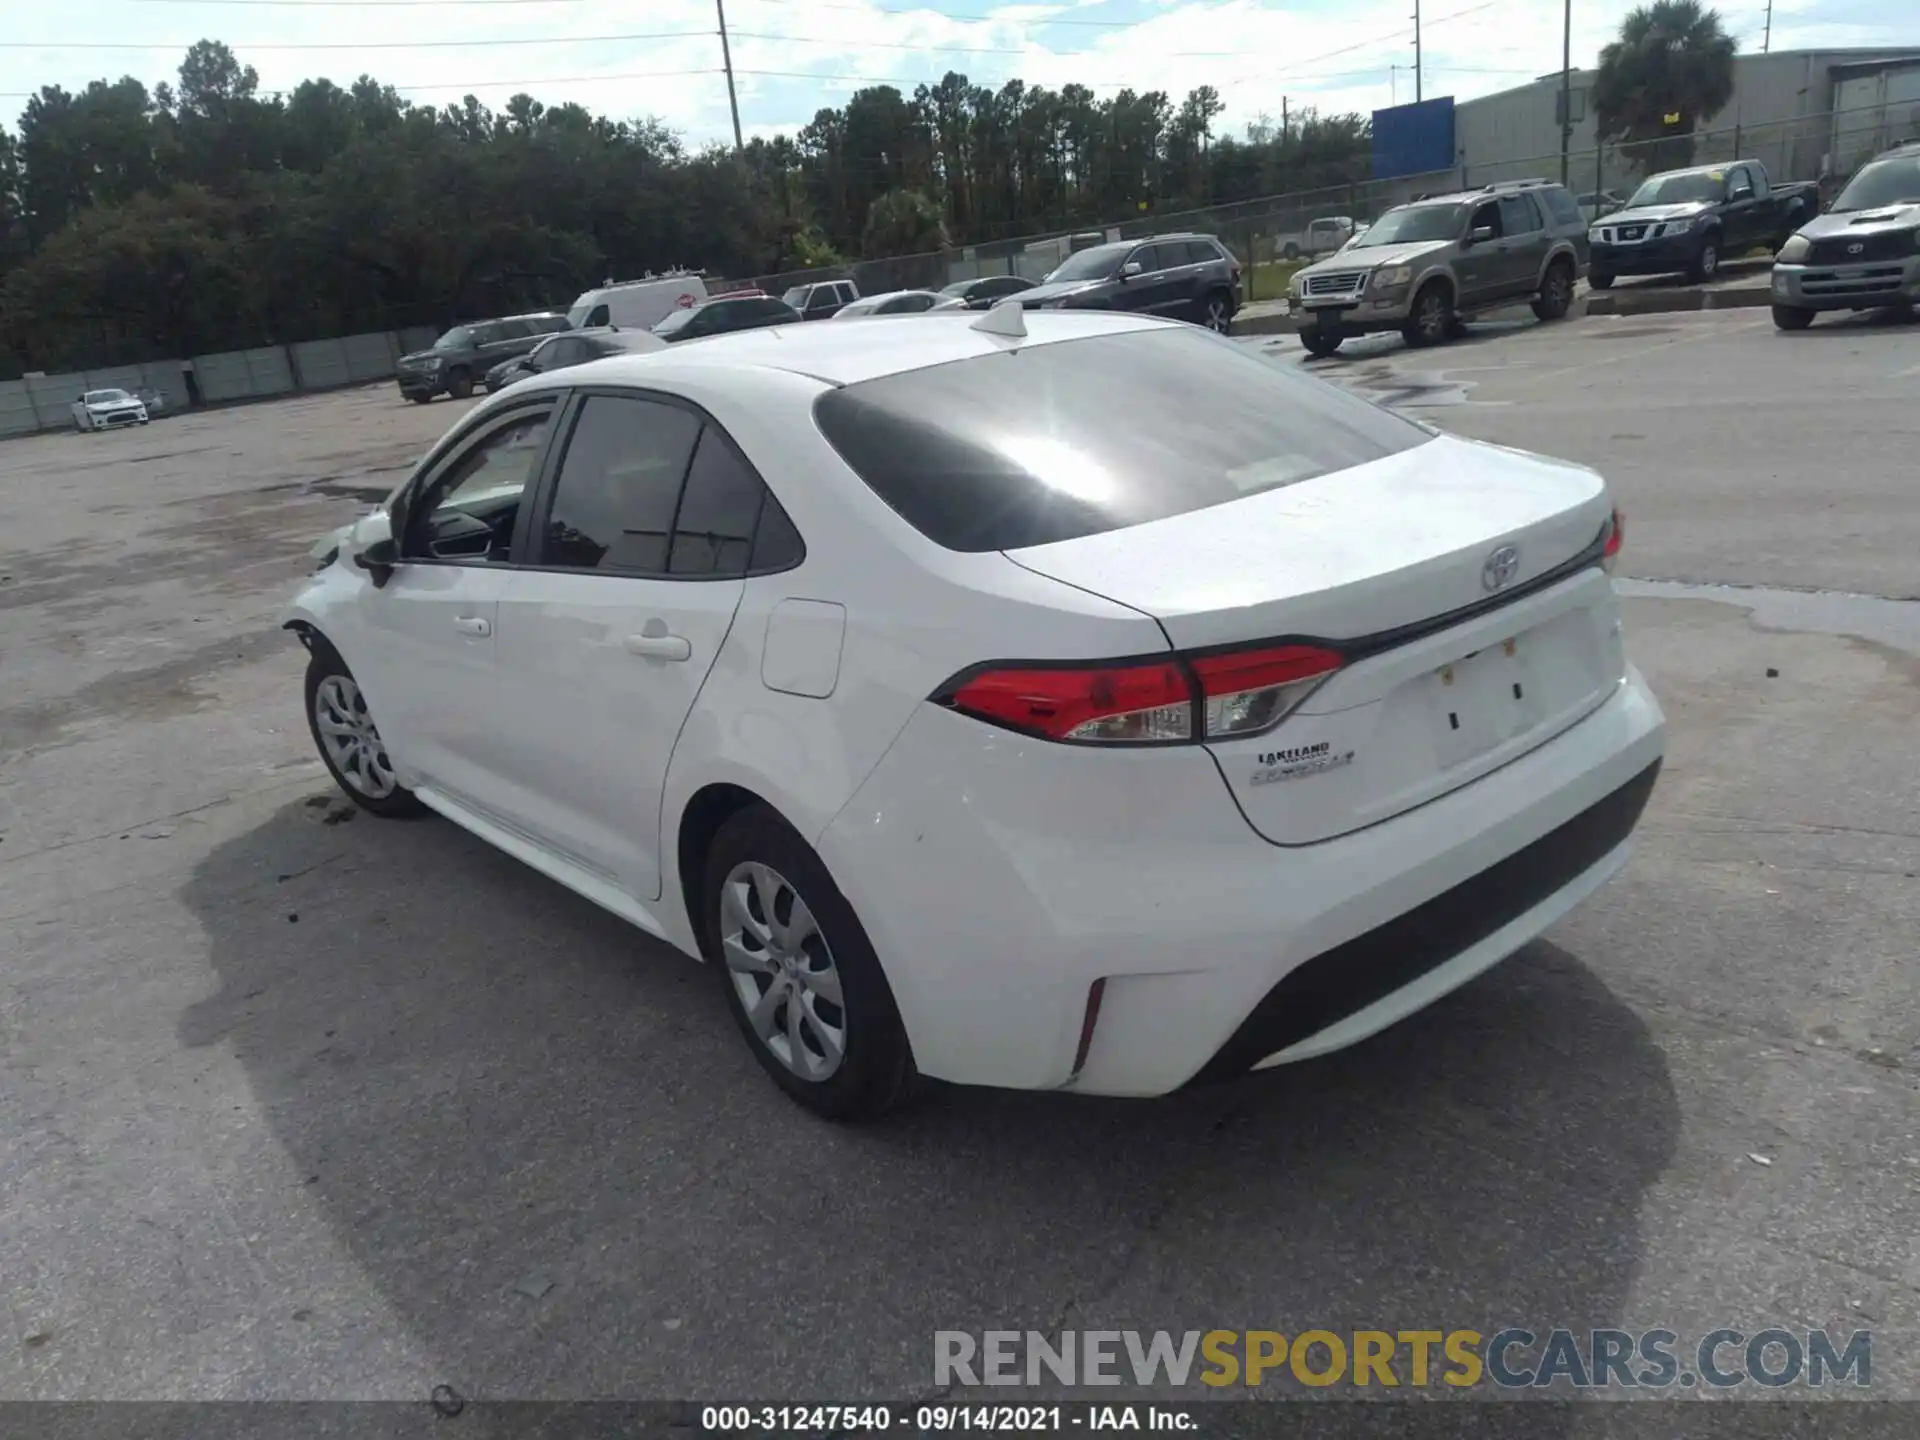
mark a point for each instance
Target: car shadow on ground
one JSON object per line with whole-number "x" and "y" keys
{"x": 543, "y": 1143}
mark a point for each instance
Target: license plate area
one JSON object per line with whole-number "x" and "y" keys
{"x": 1483, "y": 700}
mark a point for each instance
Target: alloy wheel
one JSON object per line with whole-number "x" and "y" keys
{"x": 351, "y": 739}
{"x": 1219, "y": 317}
{"x": 783, "y": 971}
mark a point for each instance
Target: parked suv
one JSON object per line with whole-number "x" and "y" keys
{"x": 1182, "y": 277}
{"x": 461, "y": 358}
{"x": 1863, "y": 254}
{"x": 1426, "y": 268}
{"x": 822, "y": 299}
{"x": 736, "y": 310}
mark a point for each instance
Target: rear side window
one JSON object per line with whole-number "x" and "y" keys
{"x": 1202, "y": 252}
{"x": 1561, "y": 206}
{"x": 1517, "y": 215}
{"x": 619, "y": 485}
{"x": 713, "y": 531}
{"x": 1053, "y": 442}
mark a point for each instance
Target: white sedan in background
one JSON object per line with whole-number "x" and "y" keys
{"x": 1068, "y": 700}
{"x": 108, "y": 410}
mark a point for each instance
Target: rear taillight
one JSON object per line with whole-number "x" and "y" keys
{"x": 1616, "y": 535}
{"x": 1219, "y": 695}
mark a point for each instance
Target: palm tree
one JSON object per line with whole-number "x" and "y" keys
{"x": 1671, "y": 68}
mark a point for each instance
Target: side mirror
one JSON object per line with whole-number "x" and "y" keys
{"x": 1130, "y": 269}
{"x": 1480, "y": 234}
{"x": 374, "y": 548}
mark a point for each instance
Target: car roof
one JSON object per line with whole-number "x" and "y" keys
{"x": 847, "y": 354}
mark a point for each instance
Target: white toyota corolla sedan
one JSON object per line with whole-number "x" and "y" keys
{"x": 1058, "y": 701}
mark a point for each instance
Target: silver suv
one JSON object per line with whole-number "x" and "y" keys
{"x": 1425, "y": 268}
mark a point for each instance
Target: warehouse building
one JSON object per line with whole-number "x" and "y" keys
{"x": 1804, "y": 113}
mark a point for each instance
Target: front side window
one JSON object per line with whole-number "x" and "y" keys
{"x": 599, "y": 315}
{"x": 467, "y": 510}
{"x": 1487, "y": 217}
{"x": 1027, "y": 447}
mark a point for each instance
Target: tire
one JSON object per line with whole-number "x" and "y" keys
{"x": 757, "y": 871}
{"x": 1791, "y": 317}
{"x": 1706, "y": 264}
{"x": 1321, "y": 343}
{"x": 1290, "y": 251}
{"x": 459, "y": 384}
{"x": 1216, "y": 312}
{"x": 358, "y": 764}
{"x": 1431, "y": 320}
{"x": 1556, "y": 292}
{"x": 421, "y": 399}
{"x": 1599, "y": 279}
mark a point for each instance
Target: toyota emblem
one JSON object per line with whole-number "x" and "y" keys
{"x": 1856, "y": 247}
{"x": 1500, "y": 568}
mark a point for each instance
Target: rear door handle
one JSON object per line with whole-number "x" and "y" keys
{"x": 473, "y": 625}
{"x": 659, "y": 647}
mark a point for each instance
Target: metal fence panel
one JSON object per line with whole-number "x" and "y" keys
{"x": 243, "y": 374}
{"x": 319, "y": 364}
{"x": 415, "y": 337}
{"x": 17, "y": 414}
{"x": 369, "y": 357}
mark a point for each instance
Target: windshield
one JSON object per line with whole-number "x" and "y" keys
{"x": 1883, "y": 183}
{"x": 1680, "y": 189}
{"x": 1099, "y": 263}
{"x": 457, "y": 338}
{"x": 958, "y": 287}
{"x": 106, "y": 397}
{"x": 1413, "y": 224}
{"x": 677, "y": 321}
{"x": 796, "y": 297}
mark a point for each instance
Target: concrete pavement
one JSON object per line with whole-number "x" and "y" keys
{"x": 305, "y": 1105}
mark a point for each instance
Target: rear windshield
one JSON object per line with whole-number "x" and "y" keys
{"x": 1025, "y": 447}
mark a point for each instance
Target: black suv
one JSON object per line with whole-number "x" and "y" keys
{"x": 461, "y": 358}
{"x": 822, "y": 299}
{"x": 1183, "y": 277}
{"x": 724, "y": 314}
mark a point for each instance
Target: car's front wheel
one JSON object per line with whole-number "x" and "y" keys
{"x": 800, "y": 975}
{"x": 1706, "y": 264}
{"x": 1600, "y": 279}
{"x": 459, "y": 384}
{"x": 1792, "y": 317}
{"x": 1432, "y": 319}
{"x": 348, "y": 740}
{"x": 1319, "y": 342}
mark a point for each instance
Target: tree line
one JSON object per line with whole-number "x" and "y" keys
{"x": 206, "y": 214}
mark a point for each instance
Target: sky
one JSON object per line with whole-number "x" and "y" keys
{"x": 662, "y": 58}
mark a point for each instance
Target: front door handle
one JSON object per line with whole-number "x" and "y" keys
{"x": 473, "y": 625}
{"x": 659, "y": 647}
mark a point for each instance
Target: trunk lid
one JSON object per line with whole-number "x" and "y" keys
{"x": 1450, "y": 576}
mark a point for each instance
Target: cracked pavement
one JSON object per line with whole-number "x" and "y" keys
{"x": 305, "y": 1105}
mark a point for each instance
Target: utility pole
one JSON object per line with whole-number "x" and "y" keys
{"x": 1566, "y": 91}
{"x": 1766, "y": 41}
{"x": 1416, "y": 52}
{"x": 1283, "y": 119}
{"x": 726, "y": 59}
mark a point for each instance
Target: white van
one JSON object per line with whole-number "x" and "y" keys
{"x": 637, "y": 304}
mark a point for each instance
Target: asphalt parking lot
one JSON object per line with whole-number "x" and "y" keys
{"x": 305, "y": 1105}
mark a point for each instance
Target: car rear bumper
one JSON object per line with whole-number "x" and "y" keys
{"x": 999, "y": 878}
{"x": 1847, "y": 287}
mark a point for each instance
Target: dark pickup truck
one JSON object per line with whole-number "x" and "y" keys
{"x": 1687, "y": 221}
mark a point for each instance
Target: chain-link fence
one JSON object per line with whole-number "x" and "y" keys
{"x": 1272, "y": 234}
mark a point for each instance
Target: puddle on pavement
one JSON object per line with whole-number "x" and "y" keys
{"x": 1894, "y": 623}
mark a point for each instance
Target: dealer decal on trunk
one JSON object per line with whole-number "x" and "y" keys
{"x": 1300, "y": 761}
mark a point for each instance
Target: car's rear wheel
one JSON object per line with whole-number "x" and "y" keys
{"x": 421, "y": 399}
{"x": 348, "y": 740}
{"x": 1600, "y": 279}
{"x": 1791, "y": 317}
{"x": 1320, "y": 342}
{"x": 1216, "y": 312}
{"x": 799, "y": 973}
{"x": 1432, "y": 317}
{"x": 459, "y": 384}
{"x": 1556, "y": 292}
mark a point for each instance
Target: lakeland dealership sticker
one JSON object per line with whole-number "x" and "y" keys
{"x": 1300, "y": 761}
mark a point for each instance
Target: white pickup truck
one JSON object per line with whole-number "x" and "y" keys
{"x": 1321, "y": 237}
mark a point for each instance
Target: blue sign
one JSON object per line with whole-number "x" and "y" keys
{"x": 1413, "y": 139}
